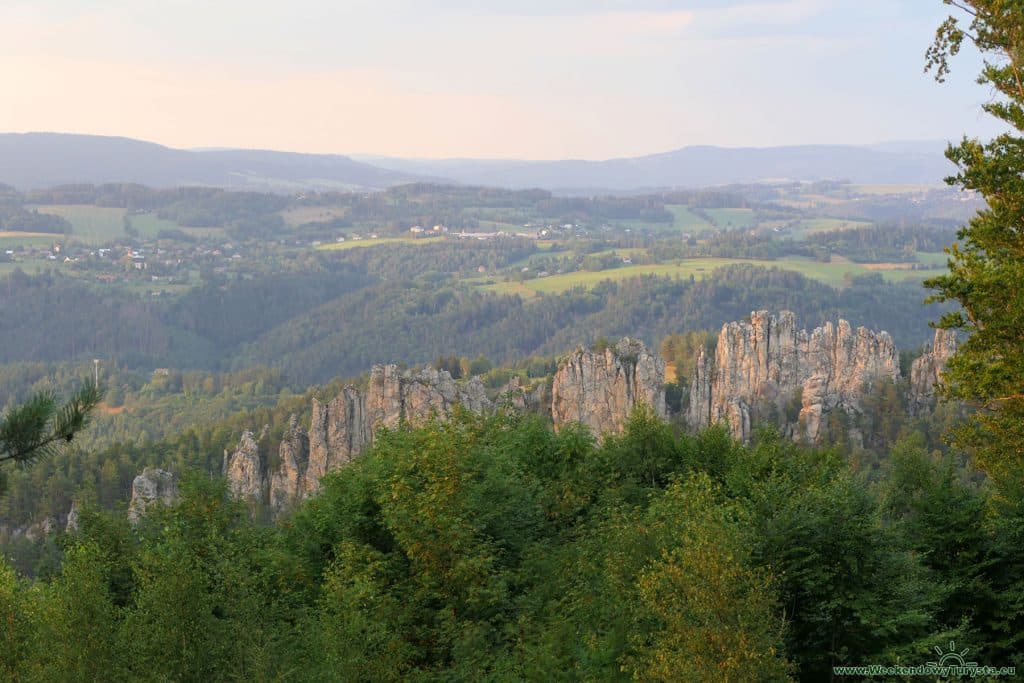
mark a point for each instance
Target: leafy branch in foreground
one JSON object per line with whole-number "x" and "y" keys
{"x": 986, "y": 266}
{"x": 40, "y": 427}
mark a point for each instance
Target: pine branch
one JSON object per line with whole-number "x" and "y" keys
{"x": 38, "y": 428}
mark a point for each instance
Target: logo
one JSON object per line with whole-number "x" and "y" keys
{"x": 951, "y": 663}
{"x": 952, "y": 657}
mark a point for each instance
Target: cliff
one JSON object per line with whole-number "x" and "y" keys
{"x": 597, "y": 389}
{"x": 152, "y": 486}
{"x": 600, "y": 389}
{"x": 768, "y": 364}
{"x": 342, "y": 429}
{"x": 764, "y": 368}
{"x": 926, "y": 371}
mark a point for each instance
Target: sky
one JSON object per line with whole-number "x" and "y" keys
{"x": 539, "y": 79}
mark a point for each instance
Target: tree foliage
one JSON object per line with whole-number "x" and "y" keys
{"x": 987, "y": 265}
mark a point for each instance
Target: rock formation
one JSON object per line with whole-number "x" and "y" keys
{"x": 246, "y": 470}
{"x": 342, "y": 429}
{"x": 515, "y": 396}
{"x": 71, "y": 524}
{"x": 926, "y": 371}
{"x": 600, "y": 389}
{"x": 153, "y": 485}
{"x": 768, "y": 362}
{"x": 290, "y": 483}
{"x": 395, "y": 397}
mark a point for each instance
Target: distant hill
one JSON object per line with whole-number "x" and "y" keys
{"x": 39, "y": 160}
{"x": 36, "y": 160}
{"x": 890, "y": 163}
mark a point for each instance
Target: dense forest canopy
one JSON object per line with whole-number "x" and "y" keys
{"x": 503, "y": 543}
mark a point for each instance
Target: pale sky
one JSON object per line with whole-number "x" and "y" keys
{"x": 535, "y": 79}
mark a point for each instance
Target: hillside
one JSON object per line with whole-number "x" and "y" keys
{"x": 38, "y": 160}
{"x": 698, "y": 166}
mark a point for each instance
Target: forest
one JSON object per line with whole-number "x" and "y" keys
{"x": 492, "y": 548}
{"x": 153, "y": 338}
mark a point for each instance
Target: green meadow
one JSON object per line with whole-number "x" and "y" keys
{"x": 835, "y": 274}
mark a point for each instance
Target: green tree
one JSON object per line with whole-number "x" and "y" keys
{"x": 40, "y": 426}
{"x": 986, "y": 267}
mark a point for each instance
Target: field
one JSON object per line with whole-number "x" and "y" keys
{"x": 312, "y": 214}
{"x": 31, "y": 267}
{"x": 814, "y": 225}
{"x": 101, "y": 225}
{"x": 893, "y": 189}
{"x": 352, "y": 244}
{"x": 688, "y": 221}
{"x": 11, "y": 238}
{"x": 834, "y": 274}
{"x": 732, "y": 218}
{"x": 498, "y": 226}
{"x": 93, "y": 224}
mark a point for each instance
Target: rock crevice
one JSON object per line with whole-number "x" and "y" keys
{"x": 768, "y": 362}
{"x": 601, "y": 388}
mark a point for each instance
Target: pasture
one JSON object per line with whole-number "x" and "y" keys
{"x": 835, "y": 274}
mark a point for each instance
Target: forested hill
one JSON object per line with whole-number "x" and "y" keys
{"x": 340, "y": 320}
{"x": 41, "y": 160}
{"x": 698, "y": 166}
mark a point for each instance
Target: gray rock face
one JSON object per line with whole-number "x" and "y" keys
{"x": 338, "y": 432}
{"x": 153, "y": 485}
{"x": 767, "y": 361}
{"x": 926, "y": 371}
{"x": 342, "y": 429}
{"x": 600, "y": 390}
{"x": 516, "y": 396}
{"x": 289, "y": 483}
{"x": 71, "y": 525}
{"x": 246, "y": 470}
{"x": 394, "y": 398}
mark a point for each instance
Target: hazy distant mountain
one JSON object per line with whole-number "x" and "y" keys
{"x": 34, "y": 160}
{"x": 900, "y": 162}
{"x": 37, "y": 160}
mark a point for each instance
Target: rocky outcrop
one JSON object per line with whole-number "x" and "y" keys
{"x": 517, "y": 396}
{"x": 289, "y": 483}
{"x": 768, "y": 363}
{"x": 71, "y": 524}
{"x": 600, "y": 389}
{"x": 395, "y": 397}
{"x": 926, "y": 371}
{"x": 246, "y": 469}
{"x": 342, "y": 429}
{"x": 338, "y": 432}
{"x": 152, "y": 486}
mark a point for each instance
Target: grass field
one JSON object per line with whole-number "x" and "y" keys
{"x": 353, "y": 244}
{"x": 100, "y": 224}
{"x": 30, "y": 267}
{"x": 92, "y": 224}
{"x": 893, "y": 189}
{"x": 936, "y": 259}
{"x": 688, "y": 221}
{"x": 814, "y": 225}
{"x": 312, "y": 214}
{"x": 11, "y": 238}
{"x": 637, "y": 225}
{"x": 498, "y": 226}
{"x": 834, "y": 274}
{"x": 732, "y": 218}
{"x": 150, "y": 225}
